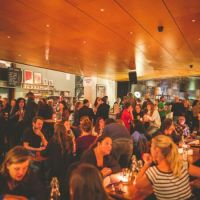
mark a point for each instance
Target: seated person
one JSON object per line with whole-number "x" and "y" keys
{"x": 33, "y": 139}
{"x": 140, "y": 142}
{"x": 17, "y": 180}
{"x": 181, "y": 127}
{"x": 86, "y": 183}
{"x": 99, "y": 156}
{"x": 137, "y": 113}
{"x": 170, "y": 177}
{"x": 86, "y": 138}
{"x": 168, "y": 129}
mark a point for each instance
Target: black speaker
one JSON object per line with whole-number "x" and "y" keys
{"x": 132, "y": 77}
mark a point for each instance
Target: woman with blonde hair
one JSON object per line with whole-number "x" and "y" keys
{"x": 170, "y": 176}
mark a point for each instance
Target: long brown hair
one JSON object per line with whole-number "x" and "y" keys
{"x": 86, "y": 183}
{"x": 62, "y": 139}
{"x": 15, "y": 155}
{"x": 169, "y": 151}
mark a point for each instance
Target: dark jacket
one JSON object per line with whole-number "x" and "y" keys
{"x": 103, "y": 111}
{"x": 29, "y": 187}
{"x": 108, "y": 161}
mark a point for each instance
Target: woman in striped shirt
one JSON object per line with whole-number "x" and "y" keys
{"x": 169, "y": 177}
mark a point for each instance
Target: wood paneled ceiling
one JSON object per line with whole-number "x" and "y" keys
{"x": 105, "y": 38}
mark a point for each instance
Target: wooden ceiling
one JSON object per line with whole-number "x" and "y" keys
{"x": 105, "y": 38}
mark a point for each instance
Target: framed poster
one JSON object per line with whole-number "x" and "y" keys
{"x": 79, "y": 93}
{"x": 28, "y": 76}
{"x": 45, "y": 81}
{"x": 101, "y": 90}
{"x": 37, "y": 78}
{"x": 51, "y": 82}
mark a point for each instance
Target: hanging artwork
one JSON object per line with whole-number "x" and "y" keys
{"x": 28, "y": 76}
{"x": 101, "y": 90}
{"x": 37, "y": 78}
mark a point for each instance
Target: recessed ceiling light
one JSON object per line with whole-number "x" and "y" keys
{"x": 193, "y": 20}
{"x": 8, "y": 37}
{"x": 102, "y": 9}
{"x": 84, "y": 42}
{"x": 19, "y": 55}
{"x": 131, "y": 32}
{"x": 47, "y": 25}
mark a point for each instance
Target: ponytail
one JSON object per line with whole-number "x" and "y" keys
{"x": 170, "y": 152}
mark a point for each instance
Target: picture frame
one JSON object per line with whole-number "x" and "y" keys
{"x": 50, "y": 82}
{"x": 28, "y": 76}
{"x": 45, "y": 81}
{"x": 37, "y": 78}
{"x": 79, "y": 93}
{"x": 100, "y": 90}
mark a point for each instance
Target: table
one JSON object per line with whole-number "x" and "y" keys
{"x": 128, "y": 191}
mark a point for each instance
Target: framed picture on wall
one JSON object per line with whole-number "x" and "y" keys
{"x": 51, "y": 82}
{"x": 28, "y": 76}
{"x": 79, "y": 93}
{"x": 45, "y": 81}
{"x": 37, "y": 78}
{"x": 100, "y": 90}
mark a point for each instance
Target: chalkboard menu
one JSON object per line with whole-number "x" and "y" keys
{"x": 14, "y": 76}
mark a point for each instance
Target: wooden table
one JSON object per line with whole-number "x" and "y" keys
{"x": 128, "y": 191}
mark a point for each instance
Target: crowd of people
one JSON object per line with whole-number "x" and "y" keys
{"x": 85, "y": 142}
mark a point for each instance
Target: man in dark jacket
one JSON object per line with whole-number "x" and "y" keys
{"x": 103, "y": 109}
{"x": 86, "y": 111}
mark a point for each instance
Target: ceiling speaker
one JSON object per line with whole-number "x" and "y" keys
{"x": 132, "y": 77}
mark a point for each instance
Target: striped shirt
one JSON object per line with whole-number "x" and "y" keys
{"x": 167, "y": 186}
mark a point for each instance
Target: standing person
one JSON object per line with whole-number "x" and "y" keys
{"x": 122, "y": 144}
{"x": 170, "y": 177}
{"x": 86, "y": 111}
{"x": 33, "y": 139}
{"x": 97, "y": 103}
{"x": 177, "y": 108}
{"x": 161, "y": 108}
{"x": 127, "y": 116}
{"x": 116, "y": 108}
{"x": 12, "y": 106}
{"x": 17, "y": 180}
{"x": 103, "y": 109}
{"x": 78, "y": 106}
{"x": 63, "y": 113}
{"x": 137, "y": 113}
{"x": 86, "y": 183}
{"x": 31, "y": 109}
{"x": 16, "y": 123}
{"x": 60, "y": 154}
{"x": 195, "y": 111}
{"x": 153, "y": 118}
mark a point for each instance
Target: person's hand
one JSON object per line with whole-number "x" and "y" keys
{"x": 13, "y": 197}
{"x": 42, "y": 148}
{"x": 106, "y": 171}
{"x": 147, "y": 158}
